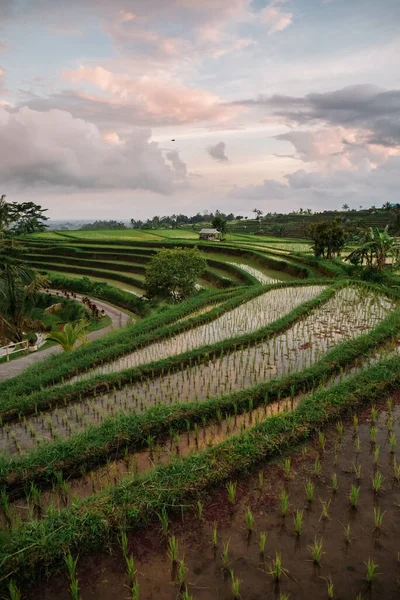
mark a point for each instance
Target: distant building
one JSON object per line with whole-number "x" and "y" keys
{"x": 210, "y": 234}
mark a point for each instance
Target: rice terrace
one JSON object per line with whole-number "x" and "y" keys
{"x": 233, "y": 437}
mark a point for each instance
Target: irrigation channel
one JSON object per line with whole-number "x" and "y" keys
{"x": 350, "y": 312}
{"x": 246, "y": 318}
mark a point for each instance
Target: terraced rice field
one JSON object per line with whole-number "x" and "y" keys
{"x": 169, "y": 452}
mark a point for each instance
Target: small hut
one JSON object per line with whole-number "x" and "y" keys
{"x": 210, "y": 234}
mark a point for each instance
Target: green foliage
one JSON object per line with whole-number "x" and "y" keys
{"x": 328, "y": 237}
{"x": 172, "y": 274}
{"x": 375, "y": 248}
{"x": 70, "y": 335}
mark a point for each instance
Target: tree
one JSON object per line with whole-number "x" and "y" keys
{"x": 25, "y": 217}
{"x": 172, "y": 273}
{"x": 328, "y": 237}
{"x": 97, "y": 225}
{"x": 258, "y": 213}
{"x": 346, "y": 207}
{"x": 376, "y": 247}
{"x": 19, "y": 286}
{"x": 70, "y": 335}
{"x": 387, "y": 206}
{"x": 219, "y": 223}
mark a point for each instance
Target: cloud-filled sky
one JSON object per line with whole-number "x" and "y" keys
{"x": 131, "y": 108}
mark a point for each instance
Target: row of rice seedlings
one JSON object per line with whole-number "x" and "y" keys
{"x": 235, "y": 370}
{"x": 245, "y": 318}
{"x": 194, "y": 439}
{"x": 259, "y": 275}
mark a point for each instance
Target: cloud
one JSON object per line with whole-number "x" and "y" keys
{"x": 218, "y": 152}
{"x": 144, "y": 99}
{"x": 321, "y": 191}
{"x": 2, "y": 81}
{"x": 177, "y": 163}
{"x": 365, "y": 106}
{"x": 3, "y": 46}
{"x": 53, "y": 148}
{"x": 269, "y": 189}
{"x": 274, "y": 18}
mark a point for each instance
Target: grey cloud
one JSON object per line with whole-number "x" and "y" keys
{"x": 361, "y": 106}
{"x": 177, "y": 163}
{"x": 53, "y": 148}
{"x": 218, "y": 152}
{"x": 269, "y": 189}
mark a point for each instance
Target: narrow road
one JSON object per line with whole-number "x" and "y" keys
{"x": 15, "y": 367}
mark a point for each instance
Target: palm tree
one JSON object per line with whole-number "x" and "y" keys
{"x": 70, "y": 334}
{"x": 375, "y": 249}
{"x": 19, "y": 285}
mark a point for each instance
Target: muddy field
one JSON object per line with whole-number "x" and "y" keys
{"x": 358, "y": 456}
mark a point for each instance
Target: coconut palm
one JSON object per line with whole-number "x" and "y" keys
{"x": 375, "y": 249}
{"x": 19, "y": 285}
{"x": 70, "y": 334}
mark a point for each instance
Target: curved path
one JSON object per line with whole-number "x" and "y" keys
{"x": 15, "y": 367}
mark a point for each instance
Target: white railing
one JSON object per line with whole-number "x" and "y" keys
{"x": 13, "y": 349}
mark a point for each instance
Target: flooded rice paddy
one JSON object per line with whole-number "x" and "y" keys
{"x": 246, "y": 318}
{"x": 259, "y": 275}
{"x": 350, "y": 538}
{"x": 348, "y": 314}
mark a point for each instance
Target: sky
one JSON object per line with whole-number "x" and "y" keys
{"x": 120, "y": 109}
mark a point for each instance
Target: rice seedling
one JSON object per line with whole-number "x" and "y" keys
{"x": 249, "y": 520}
{"x": 235, "y": 586}
{"x": 354, "y": 496}
{"x": 355, "y": 423}
{"x": 231, "y": 487}
{"x": 262, "y": 542}
{"x": 317, "y": 467}
{"x": 371, "y": 571}
{"x": 172, "y": 552}
{"x": 284, "y": 596}
{"x": 124, "y": 544}
{"x": 214, "y": 536}
{"x": 396, "y": 470}
{"x": 373, "y": 432}
{"x": 325, "y": 509}
{"x": 200, "y": 509}
{"x": 182, "y": 569}
{"x": 347, "y": 534}
{"x": 130, "y": 569}
{"x": 339, "y": 429}
{"x": 322, "y": 440}
{"x": 309, "y": 488}
{"x": 335, "y": 484}
{"x": 276, "y": 569}
{"x": 284, "y": 503}
{"x": 330, "y": 587}
{"x": 260, "y": 480}
{"x": 316, "y": 551}
{"x": 225, "y": 556}
{"x": 378, "y": 518}
{"x": 376, "y": 455}
{"x": 287, "y": 467}
{"x": 298, "y": 521}
{"x": 392, "y": 443}
{"x": 389, "y": 424}
{"x": 135, "y": 589}
{"x": 357, "y": 471}
{"x": 73, "y": 580}
{"x": 357, "y": 444}
{"x": 163, "y": 518}
{"x": 377, "y": 482}
{"x": 13, "y": 591}
{"x": 389, "y": 405}
{"x": 374, "y": 414}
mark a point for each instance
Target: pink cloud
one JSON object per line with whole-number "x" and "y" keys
{"x": 275, "y": 18}
{"x": 163, "y": 99}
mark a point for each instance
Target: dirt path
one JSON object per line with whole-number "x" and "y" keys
{"x": 15, "y": 367}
